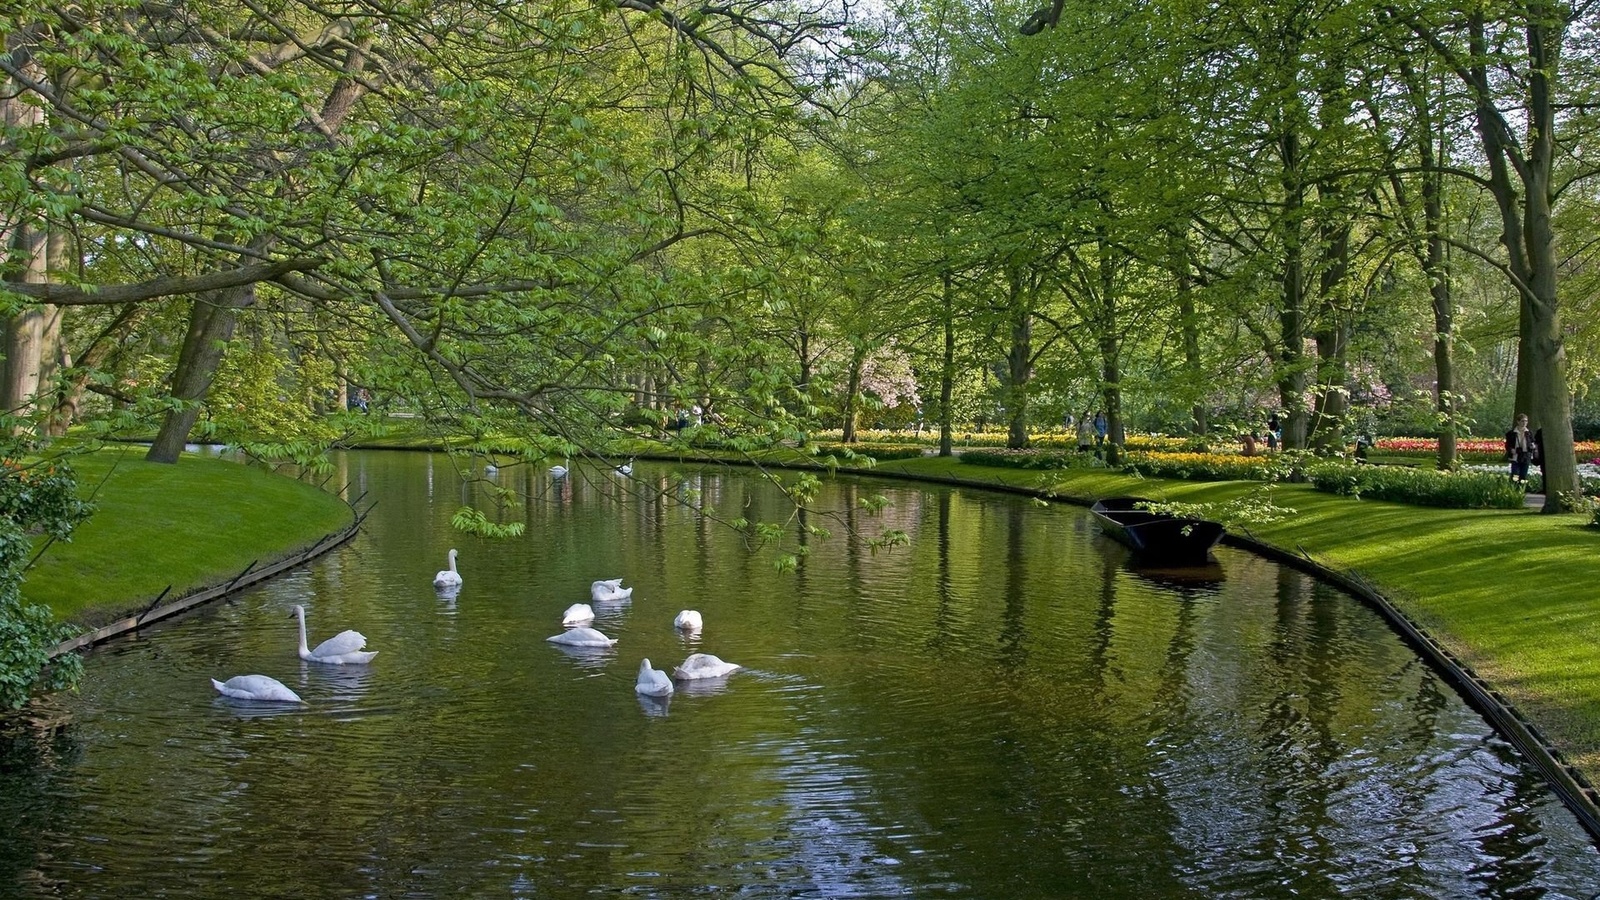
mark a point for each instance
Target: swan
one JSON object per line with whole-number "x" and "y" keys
{"x": 491, "y": 470}
{"x": 559, "y": 471}
{"x": 704, "y": 665}
{"x": 688, "y": 620}
{"x": 626, "y": 468}
{"x": 601, "y": 591}
{"x": 342, "y": 648}
{"x": 582, "y": 637}
{"x": 255, "y": 687}
{"x": 653, "y": 682}
{"x": 448, "y": 578}
{"x": 577, "y": 614}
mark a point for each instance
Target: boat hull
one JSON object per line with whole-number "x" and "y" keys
{"x": 1157, "y": 537}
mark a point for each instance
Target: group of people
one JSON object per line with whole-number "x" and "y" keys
{"x": 1524, "y": 448}
{"x": 1252, "y": 439}
{"x": 1092, "y": 431}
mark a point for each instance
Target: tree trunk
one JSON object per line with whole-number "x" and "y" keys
{"x": 947, "y": 371}
{"x": 1528, "y": 235}
{"x": 1333, "y": 342}
{"x": 1437, "y": 269}
{"x": 1190, "y": 326}
{"x": 1019, "y": 364}
{"x": 858, "y": 360}
{"x": 1291, "y": 314}
{"x": 1109, "y": 338}
{"x": 211, "y": 323}
{"x": 25, "y": 331}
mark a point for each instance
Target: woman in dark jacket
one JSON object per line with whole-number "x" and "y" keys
{"x": 1522, "y": 448}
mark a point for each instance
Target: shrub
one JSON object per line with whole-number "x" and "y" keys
{"x": 847, "y": 453}
{"x": 1423, "y": 487}
{"x": 1030, "y": 459}
{"x": 38, "y": 499}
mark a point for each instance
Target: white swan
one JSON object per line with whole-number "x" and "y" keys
{"x": 581, "y": 637}
{"x": 688, "y": 620}
{"x": 341, "y": 649}
{"x": 491, "y": 470}
{"x": 255, "y": 687}
{"x": 577, "y": 614}
{"x": 601, "y": 591}
{"x": 704, "y": 665}
{"x": 653, "y": 682}
{"x": 626, "y": 468}
{"x": 559, "y": 471}
{"x": 448, "y": 578}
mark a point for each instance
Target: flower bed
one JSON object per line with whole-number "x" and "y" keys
{"x": 1209, "y": 466}
{"x": 1483, "y": 450}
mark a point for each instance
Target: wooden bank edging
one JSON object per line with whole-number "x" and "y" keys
{"x": 1568, "y": 783}
{"x": 249, "y": 576}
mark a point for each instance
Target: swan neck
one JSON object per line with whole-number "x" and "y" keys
{"x": 300, "y": 613}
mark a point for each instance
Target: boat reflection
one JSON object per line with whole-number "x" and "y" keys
{"x": 1190, "y": 581}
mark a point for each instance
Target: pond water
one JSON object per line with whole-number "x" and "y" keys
{"x": 1003, "y": 709}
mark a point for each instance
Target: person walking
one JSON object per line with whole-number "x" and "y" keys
{"x": 1085, "y": 433}
{"x": 1522, "y": 448}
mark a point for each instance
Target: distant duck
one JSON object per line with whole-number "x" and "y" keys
{"x": 688, "y": 620}
{"x": 559, "y": 471}
{"x": 626, "y": 468}
{"x": 602, "y": 591}
{"x": 255, "y": 687}
{"x": 343, "y": 648}
{"x": 577, "y": 614}
{"x": 653, "y": 682}
{"x": 582, "y": 637}
{"x": 704, "y": 665}
{"x": 448, "y": 578}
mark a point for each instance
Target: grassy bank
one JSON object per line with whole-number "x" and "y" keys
{"x": 188, "y": 525}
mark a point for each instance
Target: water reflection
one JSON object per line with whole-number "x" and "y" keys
{"x": 655, "y": 707}
{"x": 1004, "y": 708}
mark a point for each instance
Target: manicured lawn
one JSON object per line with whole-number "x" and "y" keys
{"x": 188, "y": 525}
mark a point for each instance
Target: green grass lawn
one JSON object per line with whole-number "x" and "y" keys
{"x": 188, "y": 525}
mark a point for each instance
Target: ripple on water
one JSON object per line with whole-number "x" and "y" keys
{"x": 1008, "y": 707}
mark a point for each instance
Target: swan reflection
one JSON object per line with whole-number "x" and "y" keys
{"x": 655, "y": 707}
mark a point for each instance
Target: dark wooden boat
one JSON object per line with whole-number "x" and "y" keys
{"x": 1157, "y": 538}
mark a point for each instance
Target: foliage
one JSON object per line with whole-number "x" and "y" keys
{"x": 473, "y": 521}
{"x": 1254, "y": 509}
{"x": 1424, "y": 487}
{"x": 259, "y": 396}
{"x": 37, "y": 499}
